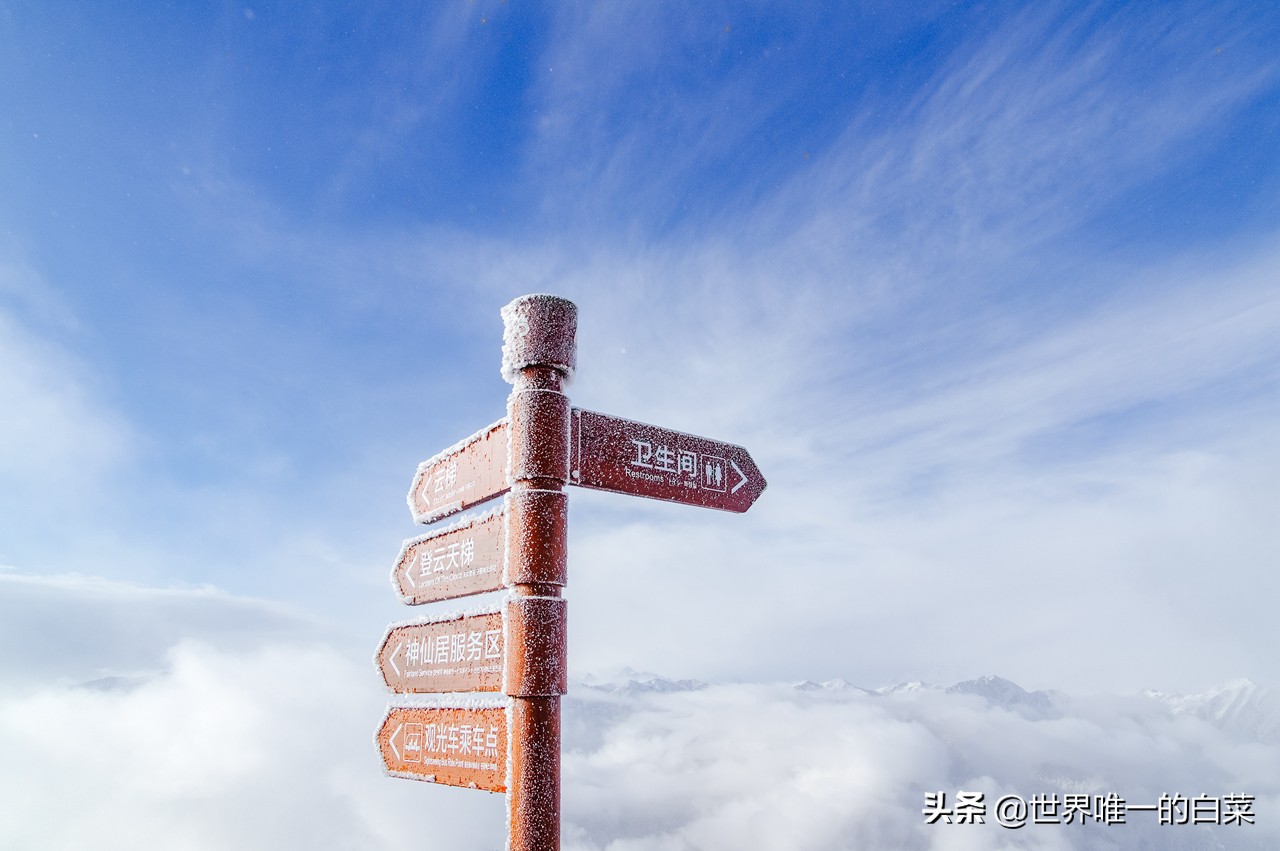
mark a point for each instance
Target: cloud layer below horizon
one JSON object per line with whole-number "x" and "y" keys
{"x": 260, "y": 737}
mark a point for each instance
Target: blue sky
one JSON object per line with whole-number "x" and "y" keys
{"x": 991, "y": 293}
{"x": 910, "y": 257}
{"x": 942, "y": 268}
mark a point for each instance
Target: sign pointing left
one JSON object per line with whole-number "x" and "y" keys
{"x": 454, "y": 745}
{"x": 464, "y": 475}
{"x": 466, "y": 558}
{"x": 454, "y": 654}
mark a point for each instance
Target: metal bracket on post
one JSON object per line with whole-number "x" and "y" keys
{"x": 538, "y": 358}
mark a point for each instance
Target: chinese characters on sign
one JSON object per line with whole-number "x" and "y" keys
{"x": 461, "y": 477}
{"x": 683, "y": 466}
{"x": 457, "y": 746}
{"x": 512, "y": 744}
{"x": 454, "y": 562}
{"x": 613, "y": 454}
{"x": 1013, "y": 812}
{"x": 457, "y": 655}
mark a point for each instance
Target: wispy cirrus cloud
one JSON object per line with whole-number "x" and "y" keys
{"x": 57, "y": 422}
{"x": 890, "y": 328}
{"x": 61, "y": 436}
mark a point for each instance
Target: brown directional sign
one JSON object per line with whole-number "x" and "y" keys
{"x": 612, "y": 454}
{"x": 462, "y": 476}
{"x": 457, "y": 746}
{"x": 460, "y": 654}
{"x": 454, "y": 562}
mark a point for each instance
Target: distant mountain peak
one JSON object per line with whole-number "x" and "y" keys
{"x": 1006, "y": 693}
{"x": 838, "y": 684}
{"x": 907, "y": 688}
{"x": 110, "y": 684}
{"x": 1240, "y": 707}
{"x": 630, "y": 681}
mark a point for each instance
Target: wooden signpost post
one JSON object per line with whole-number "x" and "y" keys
{"x": 512, "y": 743}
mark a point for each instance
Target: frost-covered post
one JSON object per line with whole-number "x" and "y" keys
{"x": 538, "y": 357}
{"x": 529, "y": 455}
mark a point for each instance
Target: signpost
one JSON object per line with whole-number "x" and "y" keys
{"x": 453, "y": 745}
{"x": 512, "y": 744}
{"x": 613, "y": 454}
{"x": 463, "y": 476}
{"x": 466, "y": 558}
{"x": 457, "y": 654}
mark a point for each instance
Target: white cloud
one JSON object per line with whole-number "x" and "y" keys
{"x": 1020, "y": 135}
{"x": 74, "y": 628}
{"x": 773, "y": 767}
{"x": 1212, "y": 329}
{"x": 56, "y": 434}
{"x": 268, "y": 748}
{"x": 62, "y": 441}
{"x": 253, "y": 730}
{"x": 271, "y": 747}
{"x": 1107, "y": 572}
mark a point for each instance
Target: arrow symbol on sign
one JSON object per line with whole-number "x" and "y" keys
{"x": 391, "y": 740}
{"x": 622, "y": 456}
{"x": 408, "y": 573}
{"x": 392, "y": 660}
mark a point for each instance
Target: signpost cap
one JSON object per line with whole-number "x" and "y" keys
{"x": 539, "y": 330}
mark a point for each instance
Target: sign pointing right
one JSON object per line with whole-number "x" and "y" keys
{"x": 623, "y": 456}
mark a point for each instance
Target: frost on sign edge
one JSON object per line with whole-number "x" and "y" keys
{"x": 548, "y": 341}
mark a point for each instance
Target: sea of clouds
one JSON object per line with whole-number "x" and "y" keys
{"x": 261, "y": 738}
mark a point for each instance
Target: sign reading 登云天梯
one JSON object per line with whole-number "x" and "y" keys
{"x": 463, "y": 559}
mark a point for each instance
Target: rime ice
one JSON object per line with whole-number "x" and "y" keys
{"x": 541, "y": 445}
{"x": 549, "y": 340}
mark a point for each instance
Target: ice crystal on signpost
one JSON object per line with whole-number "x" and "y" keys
{"x": 513, "y": 745}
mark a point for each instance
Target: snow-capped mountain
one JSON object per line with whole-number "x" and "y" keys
{"x": 1240, "y": 707}
{"x": 836, "y": 685}
{"x": 1002, "y": 692}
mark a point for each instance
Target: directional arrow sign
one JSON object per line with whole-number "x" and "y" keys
{"x": 456, "y": 654}
{"x": 464, "y": 475}
{"x": 613, "y": 454}
{"x": 463, "y": 559}
{"x": 455, "y": 745}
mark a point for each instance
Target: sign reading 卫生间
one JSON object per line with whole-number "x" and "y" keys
{"x": 512, "y": 744}
{"x": 612, "y": 454}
